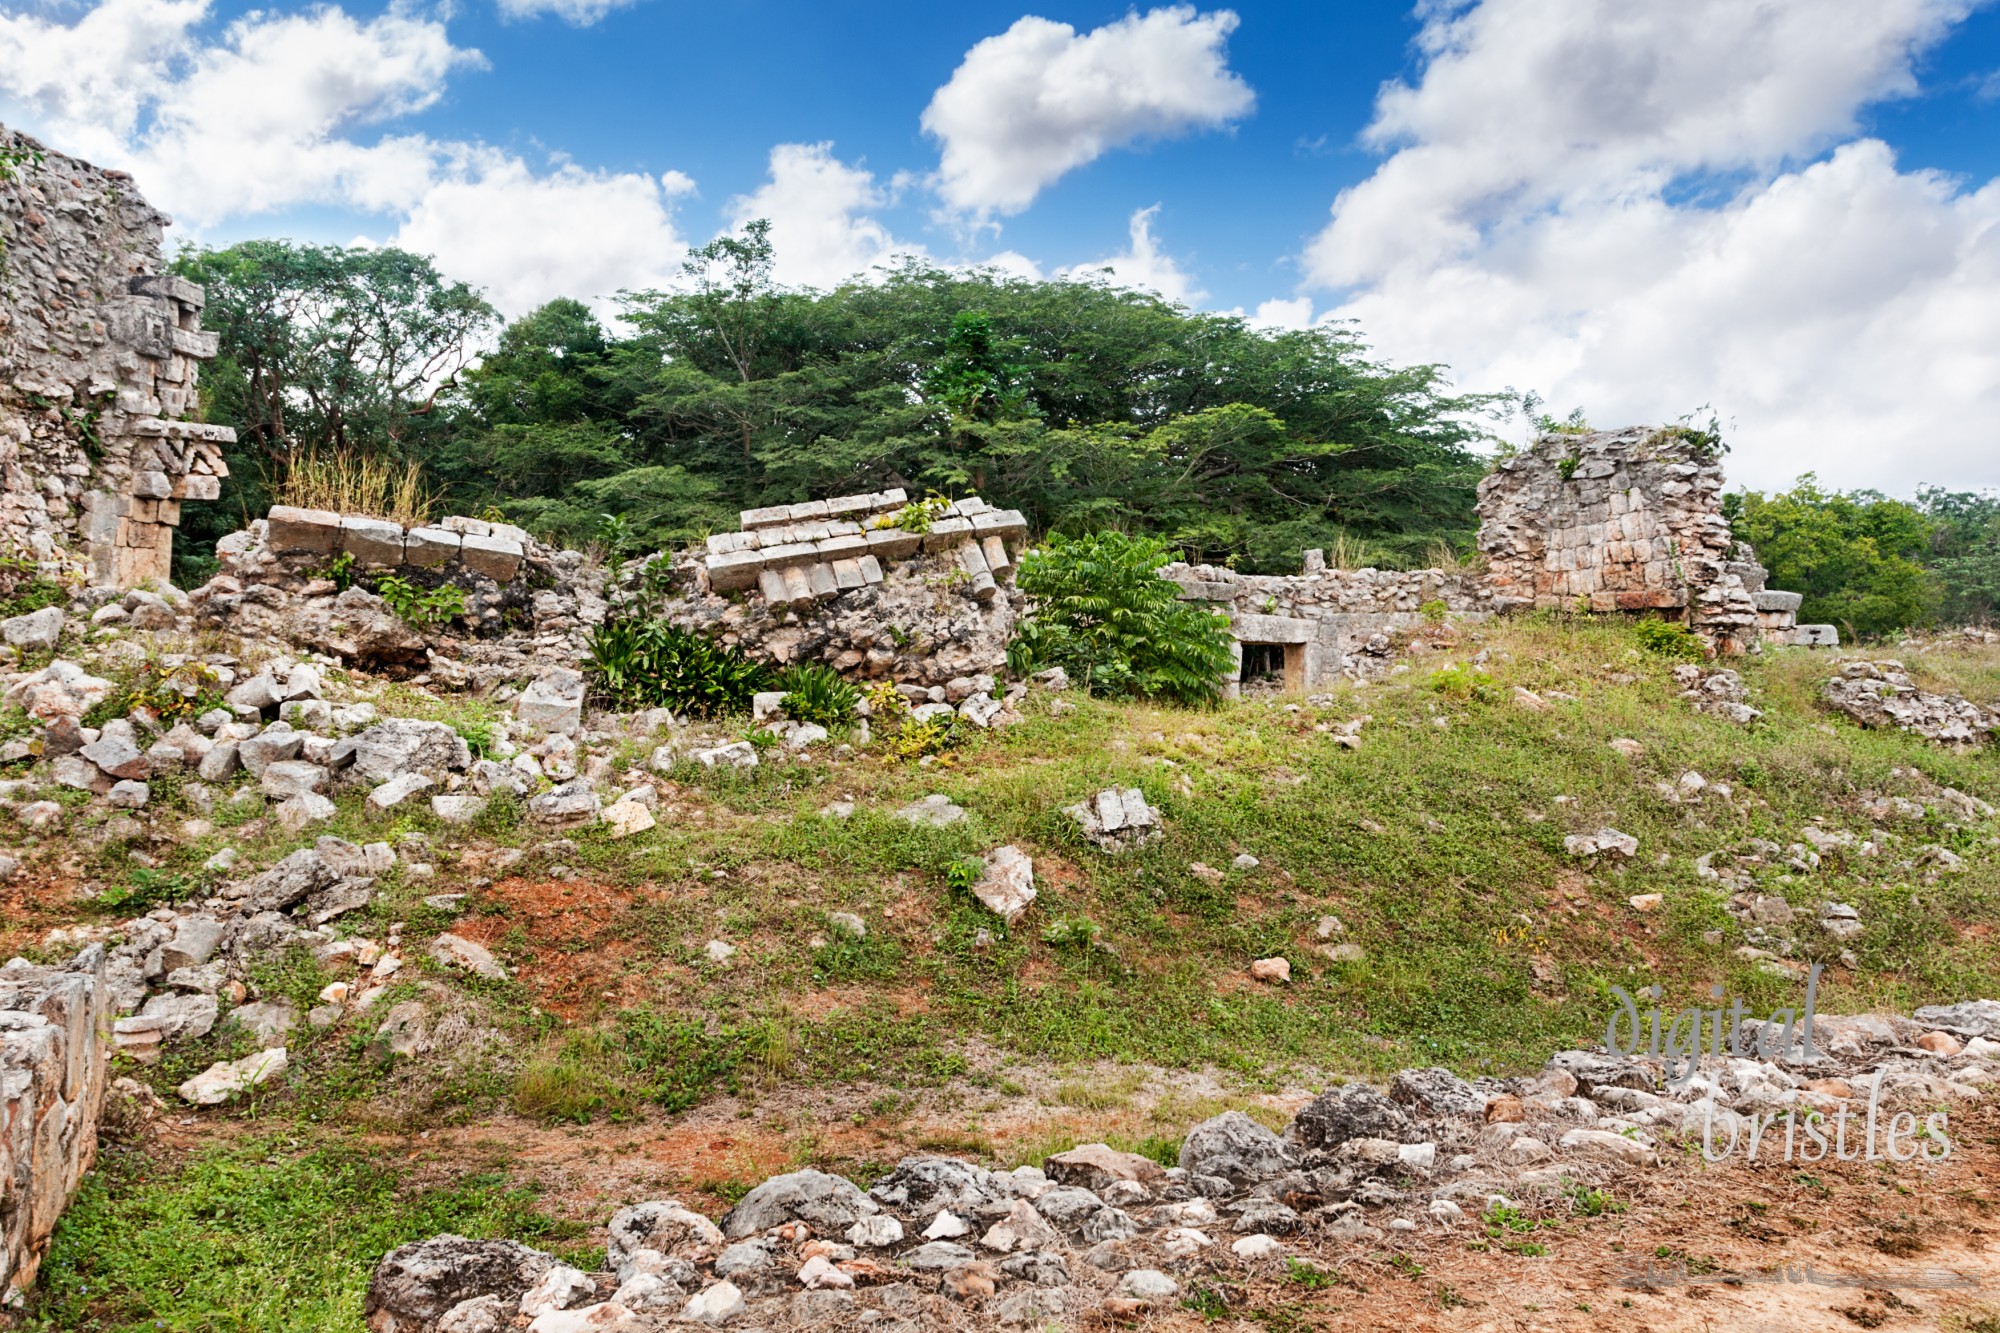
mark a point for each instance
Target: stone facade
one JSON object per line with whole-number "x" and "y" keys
{"x": 823, "y": 548}
{"x": 54, "y": 1025}
{"x": 99, "y": 353}
{"x": 1324, "y": 624}
{"x": 1628, "y": 520}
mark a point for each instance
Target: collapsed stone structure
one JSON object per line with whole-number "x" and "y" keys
{"x": 873, "y": 584}
{"x": 53, "y": 1063}
{"x": 1629, "y": 520}
{"x": 1305, "y": 629}
{"x": 99, "y": 353}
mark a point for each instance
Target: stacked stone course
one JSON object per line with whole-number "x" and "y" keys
{"x": 99, "y": 355}
{"x": 494, "y": 550}
{"x": 53, "y": 1060}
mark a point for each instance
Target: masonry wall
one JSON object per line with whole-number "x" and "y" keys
{"x": 1627, "y": 520}
{"x": 99, "y": 354}
{"x": 1327, "y": 621}
{"x": 54, "y": 1025}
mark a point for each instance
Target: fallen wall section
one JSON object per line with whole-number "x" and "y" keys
{"x": 99, "y": 352}
{"x": 53, "y": 1060}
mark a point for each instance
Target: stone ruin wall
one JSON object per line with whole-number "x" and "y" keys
{"x": 1328, "y": 623}
{"x": 54, "y": 1024}
{"x": 99, "y": 352}
{"x": 1628, "y": 520}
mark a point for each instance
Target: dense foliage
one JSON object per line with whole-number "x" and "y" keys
{"x": 817, "y": 693}
{"x": 1872, "y": 564}
{"x": 1084, "y": 405}
{"x": 1101, "y": 611}
{"x": 642, "y": 662}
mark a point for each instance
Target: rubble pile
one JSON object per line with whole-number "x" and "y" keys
{"x": 945, "y": 1243}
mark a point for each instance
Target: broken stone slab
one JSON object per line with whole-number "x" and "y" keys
{"x": 1007, "y": 889}
{"x": 397, "y": 790}
{"x": 372, "y": 541}
{"x": 226, "y": 1078}
{"x": 37, "y": 631}
{"x": 405, "y": 745}
{"x": 431, "y": 548}
{"x": 458, "y": 809}
{"x": 289, "y": 531}
{"x": 498, "y": 558}
{"x": 571, "y": 805}
{"x": 466, "y": 955}
{"x": 736, "y": 754}
{"x": 553, "y": 701}
{"x": 1117, "y": 818}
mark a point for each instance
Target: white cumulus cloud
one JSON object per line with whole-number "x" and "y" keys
{"x": 279, "y": 111}
{"x": 526, "y": 237}
{"x": 578, "y": 13}
{"x": 819, "y": 210}
{"x": 1040, "y": 100}
{"x": 1143, "y": 265}
{"x": 1642, "y": 206}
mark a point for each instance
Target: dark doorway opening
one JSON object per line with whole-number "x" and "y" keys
{"x": 1263, "y": 662}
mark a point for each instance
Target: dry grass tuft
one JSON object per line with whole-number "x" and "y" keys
{"x": 346, "y": 481}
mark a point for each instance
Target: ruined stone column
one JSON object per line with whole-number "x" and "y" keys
{"x": 99, "y": 358}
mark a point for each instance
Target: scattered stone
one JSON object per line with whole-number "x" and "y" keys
{"x": 1235, "y": 1148}
{"x": 1273, "y": 971}
{"x": 224, "y": 1079}
{"x": 395, "y": 791}
{"x": 1622, "y": 845}
{"x": 625, "y": 818}
{"x": 1118, "y": 818}
{"x": 457, "y": 951}
{"x": 935, "y": 811}
{"x": 1008, "y": 887}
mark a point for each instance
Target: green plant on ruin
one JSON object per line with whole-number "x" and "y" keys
{"x": 339, "y": 571}
{"x": 922, "y": 739}
{"x": 172, "y": 693}
{"x": 23, "y": 586}
{"x": 817, "y": 693}
{"x": 418, "y": 607}
{"x": 642, "y": 662}
{"x": 1670, "y": 639}
{"x": 1102, "y": 613}
{"x": 917, "y": 516}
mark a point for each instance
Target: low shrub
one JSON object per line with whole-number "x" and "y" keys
{"x": 1102, "y": 612}
{"x": 1670, "y": 639}
{"x": 421, "y": 607}
{"x": 647, "y": 663}
{"x": 816, "y": 693}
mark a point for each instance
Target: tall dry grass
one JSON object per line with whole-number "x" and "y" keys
{"x": 346, "y": 481}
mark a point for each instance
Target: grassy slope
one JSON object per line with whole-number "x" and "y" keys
{"x": 1439, "y": 847}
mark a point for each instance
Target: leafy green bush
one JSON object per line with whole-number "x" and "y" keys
{"x": 1670, "y": 639}
{"x": 418, "y": 607}
{"x": 647, "y": 663}
{"x": 1103, "y": 613}
{"x": 1459, "y": 681}
{"x": 816, "y": 693}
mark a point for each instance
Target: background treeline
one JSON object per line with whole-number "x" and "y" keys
{"x": 1088, "y": 407}
{"x": 1085, "y": 406}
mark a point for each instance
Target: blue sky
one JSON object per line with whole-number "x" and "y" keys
{"x": 1786, "y": 211}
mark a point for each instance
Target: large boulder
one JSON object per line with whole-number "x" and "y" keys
{"x": 1352, "y": 1111}
{"x": 922, "y": 1187}
{"x": 662, "y": 1225}
{"x": 830, "y": 1203}
{"x": 416, "y": 1284}
{"x": 405, "y": 745}
{"x": 1437, "y": 1093}
{"x": 1237, "y": 1149}
{"x": 38, "y": 630}
{"x": 359, "y": 628}
{"x": 286, "y": 884}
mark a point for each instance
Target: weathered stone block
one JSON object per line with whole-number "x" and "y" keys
{"x": 431, "y": 548}
{"x": 734, "y": 571}
{"x": 498, "y": 558}
{"x": 372, "y": 541}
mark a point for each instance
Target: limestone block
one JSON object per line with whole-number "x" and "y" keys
{"x": 871, "y": 569}
{"x": 822, "y": 580}
{"x": 842, "y": 548}
{"x": 431, "y": 548}
{"x": 498, "y": 558}
{"x": 972, "y": 560}
{"x": 771, "y": 583}
{"x": 763, "y": 518}
{"x": 798, "y": 584}
{"x": 847, "y": 573}
{"x": 997, "y": 558}
{"x": 893, "y": 543}
{"x": 947, "y": 533}
{"x": 372, "y": 541}
{"x": 733, "y": 571}
{"x": 791, "y": 553}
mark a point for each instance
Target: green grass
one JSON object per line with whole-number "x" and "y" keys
{"x": 256, "y": 1236}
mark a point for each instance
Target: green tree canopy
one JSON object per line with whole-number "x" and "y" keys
{"x": 1855, "y": 556}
